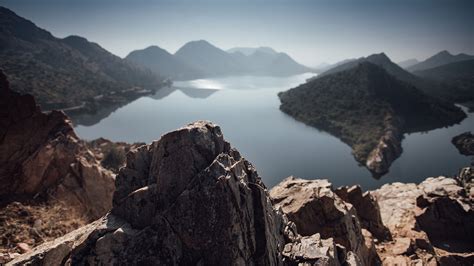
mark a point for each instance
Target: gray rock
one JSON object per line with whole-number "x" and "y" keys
{"x": 315, "y": 209}
{"x": 188, "y": 198}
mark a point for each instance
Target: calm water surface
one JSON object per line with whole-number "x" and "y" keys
{"x": 246, "y": 108}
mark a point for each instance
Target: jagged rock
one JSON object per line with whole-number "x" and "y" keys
{"x": 312, "y": 250}
{"x": 466, "y": 179}
{"x": 41, "y": 157}
{"x": 367, "y": 208}
{"x": 314, "y": 207}
{"x": 188, "y": 198}
{"x": 464, "y": 143}
{"x": 388, "y": 148}
{"x": 430, "y": 222}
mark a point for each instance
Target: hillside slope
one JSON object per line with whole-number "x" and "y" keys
{"x": 163, "y": 63}
{"x": 61, "y": 73}
{"x": 368, "y": 109}
{"x": 457, "y": 79}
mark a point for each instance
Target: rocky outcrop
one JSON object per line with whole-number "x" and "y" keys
{"x": 41, "y": 157}
{"x": 316, "y": 209}
{"x": 388, "y": 149}
{"x": 464, "y": 143}
{"x": 430, "y": 223}
{"x": 43, "y": 163}
{"x": 367, "y": 209}
{"x": 189, "y": 198}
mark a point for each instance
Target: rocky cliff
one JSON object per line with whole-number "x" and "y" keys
{"x": 189, "y": 198}
{"x": 43, "y": 162}
{"x": 431, "y": 223}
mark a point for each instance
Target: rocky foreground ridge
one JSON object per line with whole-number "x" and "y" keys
{"x": 190, "y": 198}
{"x": 50, "y": 182}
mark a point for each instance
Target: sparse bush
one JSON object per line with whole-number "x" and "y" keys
{"x": 114, "y": 158}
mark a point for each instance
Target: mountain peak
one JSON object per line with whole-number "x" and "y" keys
{"x": 198, "y": 43}
{"x": 76, "y": 39}
{"x": 443, "y": 53}
{"x": 380, "y": 57}
{"x": 442, "y": 58}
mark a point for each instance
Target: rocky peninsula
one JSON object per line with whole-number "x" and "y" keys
{"x": 369, "y": 109}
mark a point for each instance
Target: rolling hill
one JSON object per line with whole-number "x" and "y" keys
{"x": 163, "y": 63}
{"x": 201, "y": 59}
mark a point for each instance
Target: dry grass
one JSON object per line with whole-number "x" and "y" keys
{"x": 34, "y": 224}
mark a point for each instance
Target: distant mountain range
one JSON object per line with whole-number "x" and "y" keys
{"x": 439, "y": 59}
{"x": 457, "y": 78}
{"x": 163, "y": 63}
{"x": 430, "y": 86}
{"x": 63, "y": 72}
{"x": 408, "y": 63}
{"x": 250, "y": 50}
{"x": 369, "y": 108}
{"x": 200, "y": 59}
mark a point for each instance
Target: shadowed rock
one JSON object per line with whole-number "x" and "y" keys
{"x": 464, "y": 143}
{"x": 42, "y": 158}
{"x": 315, "y": 209}
{"x": 430, "y": 223}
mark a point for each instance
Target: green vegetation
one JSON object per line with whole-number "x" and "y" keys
{"x": 62, "y": 73}
{"x": 114, "y": 158}
{"x": 359, "y": 104}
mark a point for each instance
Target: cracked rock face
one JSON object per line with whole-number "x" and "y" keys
{"x": 431, "y": 223}
{"x": 41, "y": 157}
{"x": 316, "y": 209}
{"x": 187, "y": 199}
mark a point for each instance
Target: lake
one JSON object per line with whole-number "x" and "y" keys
{"x": 247, "y": 109}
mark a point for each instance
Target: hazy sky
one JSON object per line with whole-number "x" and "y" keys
{"x": 311, "y": 31}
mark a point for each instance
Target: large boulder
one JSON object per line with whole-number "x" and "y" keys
{"x": 367, "y": 208}
{"x": 431, "y": 223}
{"x": 41, "y": 157}
{"x": 189, "y": 198}
{"x": 316, "y": 209}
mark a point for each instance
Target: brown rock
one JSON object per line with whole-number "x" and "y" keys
{"x": 388, "y": 148}
{"x": 315, "y": 208}
{"x": 23, "y": 247}
{"x": 312, "y": 250}
{"x": 367, "y": 208}
{"x": 41, "y": 157}
{"x": 430, "y": 222}
{"x": 402, "y": 246}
